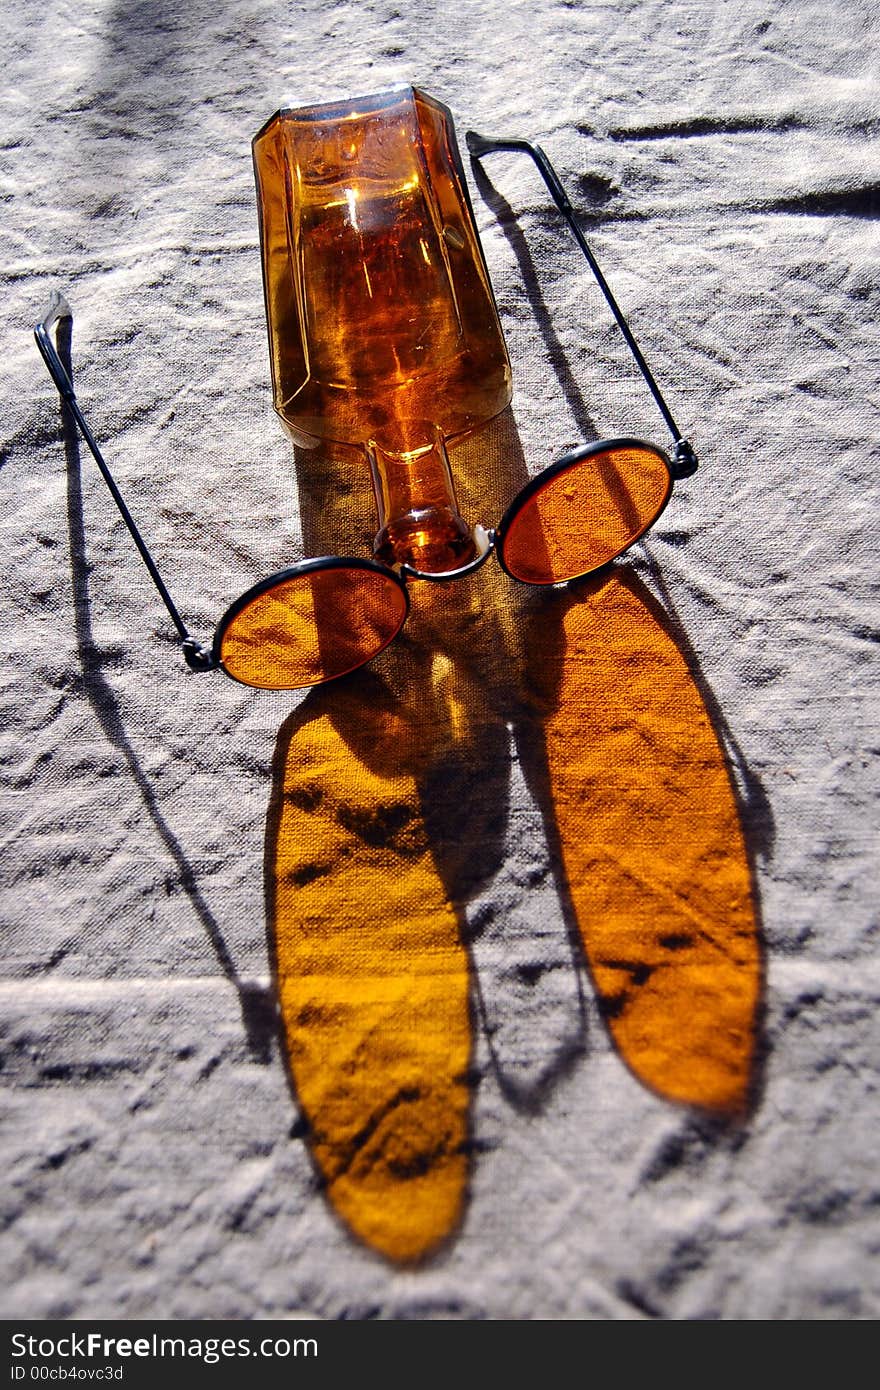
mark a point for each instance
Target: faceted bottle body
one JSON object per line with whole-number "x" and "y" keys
{"x": 383, "y": 330}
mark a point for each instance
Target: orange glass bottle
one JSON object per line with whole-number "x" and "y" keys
{"x": 383, "y": 330}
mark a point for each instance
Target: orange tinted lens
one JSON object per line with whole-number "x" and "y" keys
{"x": 585, "y": 514}
{"x": 312, "y": 627}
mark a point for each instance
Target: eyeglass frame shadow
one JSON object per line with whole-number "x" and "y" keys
{"x": 684, "y": 462}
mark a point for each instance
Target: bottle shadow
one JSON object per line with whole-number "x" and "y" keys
{"x": 417, "y": 912}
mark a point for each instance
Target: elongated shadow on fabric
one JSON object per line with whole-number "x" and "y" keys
{"x": 518, "y": 243}
{"x": 256, "y": 1005}
{"x": 652, "y": 843}
{"x": 736, "y": 804}
{"x": 755, "y": 812}
{"x": 412, "y": 921}
{"x": 389, "y": 816}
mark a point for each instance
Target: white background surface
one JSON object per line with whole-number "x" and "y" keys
{"x": 724, "y": 155}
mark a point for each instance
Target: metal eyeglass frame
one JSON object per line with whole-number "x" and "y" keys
{"x": 201, "y": 657}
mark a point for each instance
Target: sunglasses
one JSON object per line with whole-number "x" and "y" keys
{"x": 323, "y": 618}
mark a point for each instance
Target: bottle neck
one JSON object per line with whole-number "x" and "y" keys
{"x": 419, "y": 521}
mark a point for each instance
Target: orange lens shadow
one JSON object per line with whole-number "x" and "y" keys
{"x": 653, "y": 850}
{"x": 371, "y": 972}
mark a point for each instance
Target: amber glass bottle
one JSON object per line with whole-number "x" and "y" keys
{"x": 383, "y": 330}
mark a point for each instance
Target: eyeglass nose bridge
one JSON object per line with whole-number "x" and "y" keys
{"x": 484, "y": 539}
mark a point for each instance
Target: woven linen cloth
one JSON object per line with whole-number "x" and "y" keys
{"x": 181, "y": 852}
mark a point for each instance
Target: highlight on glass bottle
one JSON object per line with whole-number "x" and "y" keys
{"x": 383, "y": 331}
{"x": 385, "y": 339}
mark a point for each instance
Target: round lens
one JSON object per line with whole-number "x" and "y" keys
{"x": 311, "y": 623}
{"x": 583, "y": 511}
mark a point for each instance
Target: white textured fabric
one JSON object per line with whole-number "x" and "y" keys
{"x": 725, "y": 161}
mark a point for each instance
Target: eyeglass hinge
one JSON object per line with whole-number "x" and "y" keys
{"x": 197, "y": 656}
{"x": 685, "y": 462}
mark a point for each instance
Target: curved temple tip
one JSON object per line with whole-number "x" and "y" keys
{"x": 486, "y": 144}
{"x": 58, "y": 309}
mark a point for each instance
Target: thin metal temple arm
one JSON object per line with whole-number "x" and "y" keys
{"x": 478, "y": 145}
{"x": 195, "y": 654}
